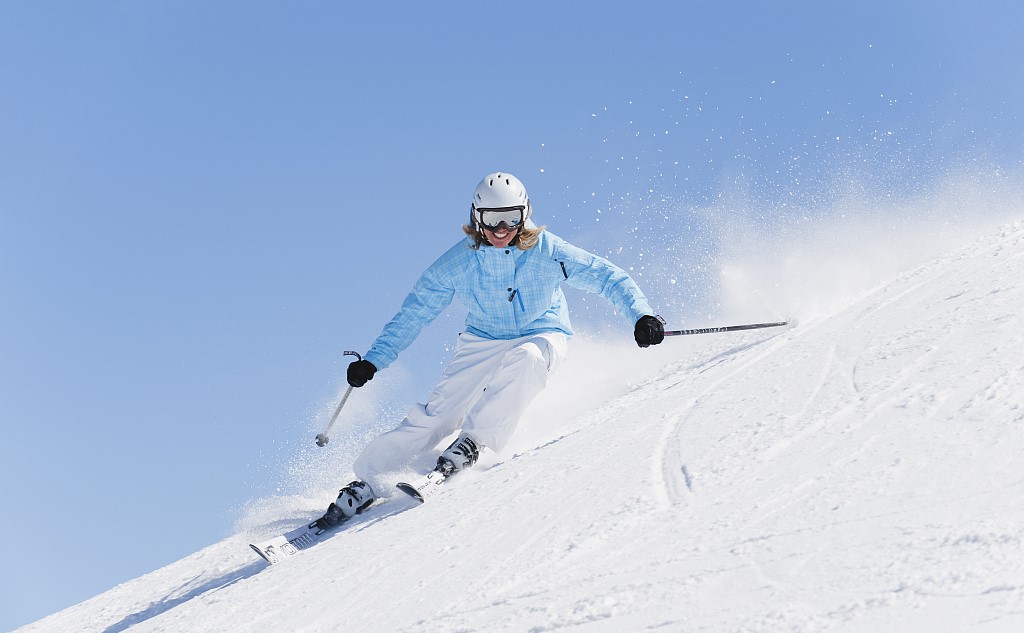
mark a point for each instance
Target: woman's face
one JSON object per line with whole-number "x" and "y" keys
{"x": 501, "y": 236}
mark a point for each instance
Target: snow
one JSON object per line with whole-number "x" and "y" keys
{"x": 860, "y": 470}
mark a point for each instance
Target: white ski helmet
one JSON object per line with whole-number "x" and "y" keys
{"x": 497, "y": 191}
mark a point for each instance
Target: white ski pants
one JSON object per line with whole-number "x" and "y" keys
{"x": 484, "y": 390}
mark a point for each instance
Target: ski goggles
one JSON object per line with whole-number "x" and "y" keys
{"x": 512, "y": 217}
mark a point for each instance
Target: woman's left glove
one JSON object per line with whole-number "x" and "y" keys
{"x": 648, "y": 331}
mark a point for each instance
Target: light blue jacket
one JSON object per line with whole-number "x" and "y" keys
{"x": 509, "y": 292}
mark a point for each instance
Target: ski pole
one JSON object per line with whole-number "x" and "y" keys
{"x": 322, "y": 439}
{"x": 726, "y": 328}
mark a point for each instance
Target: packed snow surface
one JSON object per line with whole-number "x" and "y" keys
{"x": 860, "y": 470}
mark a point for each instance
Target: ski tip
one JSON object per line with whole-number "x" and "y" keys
{"x": 410, "y": 490}
{"x": 261, "y": 553}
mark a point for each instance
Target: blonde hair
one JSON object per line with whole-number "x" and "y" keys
{"x": 525, "y": 239}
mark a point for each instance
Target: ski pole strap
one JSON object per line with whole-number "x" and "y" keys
{"x": 725, "y": 328}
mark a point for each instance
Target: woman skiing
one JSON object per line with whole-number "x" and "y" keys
{"x": 507, "y": 272}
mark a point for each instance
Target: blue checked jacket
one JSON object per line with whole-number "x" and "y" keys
{"x": 509, "y": 292}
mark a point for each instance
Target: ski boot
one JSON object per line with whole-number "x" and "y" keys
{"x": 352, "y": 500}
{"x": 463, "y": 453}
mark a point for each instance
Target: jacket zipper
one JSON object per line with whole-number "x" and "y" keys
{"x": 511, "y": 297}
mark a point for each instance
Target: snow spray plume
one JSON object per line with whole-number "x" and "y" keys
{"x": 750, "y": 258}
{"x": 310, "y": 476}
{"x": 811, "y": 262}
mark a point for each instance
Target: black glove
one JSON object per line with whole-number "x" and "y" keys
{"x": 649, "y": 331}
{"x": 359, "y": 372}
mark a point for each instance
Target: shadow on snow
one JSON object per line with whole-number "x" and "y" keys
{"x": 168, "y": 603}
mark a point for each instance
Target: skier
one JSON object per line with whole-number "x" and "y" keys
{"x": 507, "y": 273}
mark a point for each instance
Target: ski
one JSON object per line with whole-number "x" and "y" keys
{"x": 276, "y": 549}
{"x": 284, "y": 546}
{"x": 420, "y": 489}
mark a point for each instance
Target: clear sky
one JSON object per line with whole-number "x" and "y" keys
{"x": 204, "y": 203}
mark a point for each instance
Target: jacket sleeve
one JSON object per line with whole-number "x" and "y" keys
{"x": 431, "y": 294}
{"x": 593, "y": 273}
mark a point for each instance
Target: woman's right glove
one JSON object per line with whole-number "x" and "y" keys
{"x": 360, "y": 371}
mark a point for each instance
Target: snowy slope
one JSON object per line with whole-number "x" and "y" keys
{"x": 861, "y": 471}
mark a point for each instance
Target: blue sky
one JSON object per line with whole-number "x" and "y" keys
{"x": 203, "y": 204}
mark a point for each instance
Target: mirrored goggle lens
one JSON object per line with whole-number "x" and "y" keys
{"x": 511, "y": 216}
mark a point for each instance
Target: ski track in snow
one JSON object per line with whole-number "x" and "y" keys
{"x": 859, "y": 472}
